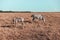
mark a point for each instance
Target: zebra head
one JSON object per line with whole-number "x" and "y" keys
{"x": 32, "y": 15}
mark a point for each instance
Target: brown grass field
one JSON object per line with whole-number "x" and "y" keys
{"x": 50, "y": 30}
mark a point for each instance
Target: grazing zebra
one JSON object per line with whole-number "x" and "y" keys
{"x": 39, "y": 17}
{"x": 17, "y": 20}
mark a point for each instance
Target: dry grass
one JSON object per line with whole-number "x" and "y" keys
{"x": 30, "y": 30}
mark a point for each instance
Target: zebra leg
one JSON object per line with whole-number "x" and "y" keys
{"x": 43, "y": 21}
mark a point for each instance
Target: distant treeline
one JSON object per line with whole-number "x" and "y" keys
{"x": 15, "y": 11}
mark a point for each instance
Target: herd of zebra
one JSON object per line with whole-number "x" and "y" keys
{"x": 34, "y": 16}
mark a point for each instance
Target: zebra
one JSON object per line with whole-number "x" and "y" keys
{"x": 39, "y": 17}
{"x": 18, "y": 20}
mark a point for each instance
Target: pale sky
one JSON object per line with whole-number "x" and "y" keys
{"x": 30, "y": 5}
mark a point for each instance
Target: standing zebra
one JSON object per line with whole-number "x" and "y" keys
{"x": 39, "y": 17}
{"x": 17, "y": 20}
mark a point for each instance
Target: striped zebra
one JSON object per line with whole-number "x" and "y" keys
{"x": 18, "y": 20}
{"x": 39, "y": 17}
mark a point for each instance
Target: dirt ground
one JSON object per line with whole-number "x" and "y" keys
{"x": 37, "y": 30}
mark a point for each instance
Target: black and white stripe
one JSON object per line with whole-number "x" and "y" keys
{"x": 39, "y": 17}
{"x": 17, "y": 20}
